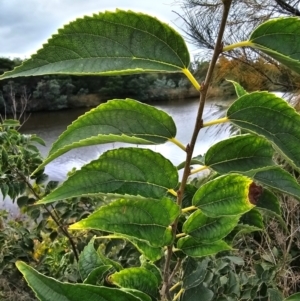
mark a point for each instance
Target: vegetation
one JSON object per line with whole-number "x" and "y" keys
{"x": 184, "y": 233}
{"x": 67, "y": 91}
{"x": 200, "y": 24}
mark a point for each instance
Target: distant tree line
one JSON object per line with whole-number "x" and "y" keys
{"x": 62, "y": 91}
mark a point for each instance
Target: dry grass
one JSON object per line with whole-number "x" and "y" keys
{"x": 278, "y": 247}
{"x": 17, "y": 291}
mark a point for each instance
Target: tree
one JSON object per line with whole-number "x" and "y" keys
{"x": 170, "y": 222}
{"x": 201, "y": 19}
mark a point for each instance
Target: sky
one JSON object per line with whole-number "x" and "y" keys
{"x": 26, "y": 24}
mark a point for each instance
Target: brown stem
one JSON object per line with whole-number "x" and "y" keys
{"x": 190, "y": 147}
{"x": 164, "y": 292}
{"x": 55, "y": 219}
{"x": 177, "y": 266}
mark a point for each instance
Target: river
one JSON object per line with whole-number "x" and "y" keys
{"x": 49, "y": 125}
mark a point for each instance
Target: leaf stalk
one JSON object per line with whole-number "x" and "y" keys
{"x": 192, "y": 79}
{"x": 237, "y": 45}
{"x": 178, "y": 143}
{"x": 196, "y": 170}
{"x": 216, "y": 121}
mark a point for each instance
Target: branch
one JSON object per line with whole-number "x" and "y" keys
{"x": 56, "y": 220}
{"x": 288, "y": 8}
{"x": 165, "y": 290}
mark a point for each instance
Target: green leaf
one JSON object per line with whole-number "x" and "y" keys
{"x": 188, "y": 195}
{"x": 294, "y": 297}
{"x": 194, "y": 272}
{"x": 151, "y": 253}
{"x": 268, "y": 201}
{"x": 225, "y": 195}
{"x": 37, "y": 139}
{"x": 116, "y": 265}
{"x": 206, "y": 230}
{"x": 269, "y": 205}
{"x": 131, "y": 171}
{"x": 146, "y": 219}
{"x": 236, "y": 260}
{"x": 153, "y": 269}
{"x": 194, "y": 248}
{"x": 89, "y": 260}
{"x": 272, "y": 117}
{"x": 97, "y": 274}
{"x": 279, "y": 38}
{"x": 142, "y": 296}
{"x": 194, "y": 293}
{"x": 240, "y": 91}
{"x": 47, "y": 288}
{"x": 275, "y": 295}
{"x": 279, "y": 179}
{"x": 22, "y": 201}
{"x": 253, "y": 218}
{"x": 240, "y": 154}
{"x": 241, "y": 229}
{"x": 136, "y": 278}
{"x": 4, "y": 189}
{"x": 109, "y": 43}
{"x": 10, "y": 122}
{"x": 118, "y": 120}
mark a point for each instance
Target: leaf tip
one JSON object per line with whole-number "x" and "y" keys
{"x": 255, "y": 191}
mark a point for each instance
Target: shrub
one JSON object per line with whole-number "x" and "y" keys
{"x": 170, "y": 223}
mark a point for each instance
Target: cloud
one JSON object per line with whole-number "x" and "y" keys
{"x": 26, "y": 25}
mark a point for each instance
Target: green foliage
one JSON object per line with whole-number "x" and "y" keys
{"x": 147, "y": 220}
{"x": 146, "y": 204}
{"x": 116, "y": 120}
{"x": 19, "y": 157}
{"x": 285, "y": 32}
{"x": 115, "y": 43}
{"x": 281, "y": 132}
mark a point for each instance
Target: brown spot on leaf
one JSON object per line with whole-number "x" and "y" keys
{"x": 255, "y": 191}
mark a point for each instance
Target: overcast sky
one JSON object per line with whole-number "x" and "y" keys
{"x": 26, "y": 24}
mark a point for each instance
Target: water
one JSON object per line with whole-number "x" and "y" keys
{"x": 49, "y": 125}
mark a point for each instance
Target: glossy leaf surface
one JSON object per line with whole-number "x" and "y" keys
{"x": 109, "y": 43}
{"x": 149, "y": 252}
{"x": 270, "y": 116}
{"x": 239, "y": 90}
{"x": 225, "y": 195}
{"x": 136, "y": 278}
{"x": 88, "y": 260}
{"x": 253, "y": 218}
{"x": 142, "y": 219}
{"x": 97, "y": 275}
{"x": 49, "y": 289}
{"x": 194, "y": 248}
{"x": 118, "y": 120}
{"x": 240, "y": 153}
{"x": 130, "y": 171}
{"x": 194, "y": 272}
{"x": 279, "y": 38}
{"x": 269, "y": 202}
{"x": 142, "y": 296}
{"x": 193, "y": 293}
{"x": 207, "y": 230}
{"x": 279, "y": 179}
